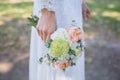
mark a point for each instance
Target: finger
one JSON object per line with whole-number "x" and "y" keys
{"x": 39, "y": 32}
{"x": 85, "y": 15}
{"x": 48, "y": 37}
{"x": 41, "y": 35}
{"x": 44, "y": 34}
{"x": 88, "y": 15}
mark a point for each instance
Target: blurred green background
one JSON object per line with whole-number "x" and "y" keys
{"x": 102, "y": 36}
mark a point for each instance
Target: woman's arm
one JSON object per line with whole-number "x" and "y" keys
{"x": 85, "y": 10}
{"x": 47, "y": 22}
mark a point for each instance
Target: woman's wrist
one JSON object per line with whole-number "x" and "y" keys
{"x": 47, "y": 12}
{"x": 83, "y": 2}
{"x": 85, "y": 10}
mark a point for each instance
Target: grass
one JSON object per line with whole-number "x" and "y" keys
{"x": 105, "y": 14}
{"x": 14, "y": 31}
{"x": 18, "y": 10}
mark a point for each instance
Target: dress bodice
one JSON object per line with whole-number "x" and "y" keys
{"x": 66, "y": 11}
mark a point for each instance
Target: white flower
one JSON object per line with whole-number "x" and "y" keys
{"x": 60, "y": 33}
{"x": 72, "y": 56}
{"x": 73, "y": 45}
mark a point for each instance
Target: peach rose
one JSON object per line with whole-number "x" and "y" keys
{"x": 59, "y": 65}
{"x": 68, "y": 64}
{"x": 74, "y": 33}
{"x": 63, "y": 66}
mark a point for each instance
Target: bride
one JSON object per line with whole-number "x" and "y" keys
{"x": 54, "y": 14}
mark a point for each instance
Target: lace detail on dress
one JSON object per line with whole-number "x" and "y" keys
{"x": 48, "y": 4}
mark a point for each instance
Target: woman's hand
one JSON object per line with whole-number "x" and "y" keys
{"x": 46, "y": 24}
{"x": 85, "y": 11}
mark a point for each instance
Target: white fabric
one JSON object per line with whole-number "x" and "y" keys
{"x": 48, "y": 4}
{"x": 66, "y": 11}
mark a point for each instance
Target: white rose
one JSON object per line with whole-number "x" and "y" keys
{"x": 73, "y": 45}
{"x": 60, "y": 33}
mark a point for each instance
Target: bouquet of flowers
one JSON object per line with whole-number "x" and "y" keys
{"x": 64, "y": 47}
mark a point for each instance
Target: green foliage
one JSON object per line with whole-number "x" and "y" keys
{"x": 105, "y": 14}
{"x": 41, "y": 60}
{"x": 33, "y": 20}
{"x": 20, "y": 10}
{"x": 48, "y": 43}
{"x": 14, "y": 33}
{"x": 71, "y": 52}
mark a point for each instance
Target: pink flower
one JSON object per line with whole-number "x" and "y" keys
{"x": 74, "y": 33}
{"x": 59, "y": 65}
{"x": 68, "y": 64}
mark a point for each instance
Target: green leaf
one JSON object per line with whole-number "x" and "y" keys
{"x": 71, "y": 52}
{"x": 32, "y": 21}
{"x": 73, "y": 64}
{"x": 48, "y": 43}
{"x": 48, "y": 57}
{"x": 41, "y": 60}
{"x": 63, "y": 70}
{"x": 81, "y": 46}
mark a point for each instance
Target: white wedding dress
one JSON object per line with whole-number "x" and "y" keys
{"x": 66, "y": 11}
